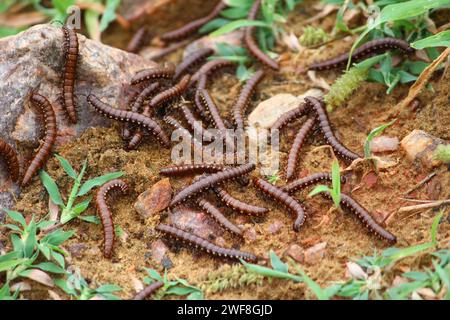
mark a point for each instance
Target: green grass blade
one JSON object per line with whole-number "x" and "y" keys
{"x": 375, "y": 132}
{"x": 442, "y": 39}
{"x": 336, "y": 182}
{"x": 109, "y": 14}
{"x": 51, "y": 188}
{"x": 16, "y": 216}
{"x": 92, "y": 183}
{"x": 318, "y": 189}
{"x": 67, "y": 167}
{"x": 267, "y": 272}
{"x": 238, "y": 24}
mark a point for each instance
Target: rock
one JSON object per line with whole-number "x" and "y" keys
{"x": 355, "y": 271}
{"x": 268, "y": 111}
{"x": 195, "y": 221}
{"x": 434, "y": 189}
{"x": 370, "y": 179}
{"x": 221, "y": 242}
{"x": 296, "y": 252}
{"x": 420, "y": 146}
{"x": 76, "y": 249}
{"x": 384, "y": 144}
{"x": 233, "y": 38}
{"x": 274, "y": 227}
{"x": 155, "y": 199}
{"x": 166, "y": 263}
{"x": 159, "y": 250}
{"x": 250, "y": 235}
{"x": 315, "y": 253}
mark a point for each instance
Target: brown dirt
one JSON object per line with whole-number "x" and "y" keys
{"x": 346, "y": 238}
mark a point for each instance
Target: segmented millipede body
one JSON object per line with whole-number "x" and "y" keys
{"x": 138, "y": 40}
{"x": 290, "y": 116}
{"x": 237, "y": 204}
{"x": 208, "y": 103}
{"x": 105, "y": 213}
{"x": 190, "y": 28}
{"x": 143, "y": 95}
{"x": 283, "y": 198}
{"x": 11, "y": 159}
{"x": 324, "y": 124}
{"x": 365, "y": 217}
{"x": 302, "y": 183}
{"x": 148, "y": 290}
{"x": 184, "y": 169}
{"x": 194, "y": 123}
{"x": 185, "y": 132}
{"x": 204, "y": 244}
{"x": 366, "y": 50}
{"x": 201, "y": 84}
{"x": 192, "y": 60}
{"x": 211, "y": 67}
{"x": 244, "y": 98}
{"x": 152, "y": 74}
{"x": 250, "y": 41}
{"x": 296, "y": 146}
{"x": 219, "y": 217}
{"x": 51, "y": 131}
{"x": 128, "y": 116}
{"x": 173, "y": 92}
{"x": 70, "y": 72}
{"x": 211, "y": 181}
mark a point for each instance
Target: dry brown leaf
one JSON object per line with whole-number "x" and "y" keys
{"x": 41, "y": 277}
{"x": 19, "y": 20}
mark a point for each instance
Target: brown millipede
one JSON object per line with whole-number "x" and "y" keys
{"x": 208, "y": 103}
{"x": 195, "y": 125}
{"x": 324, "y": 124}
{"x": 105, "y": 213}
{"x": 290, "y": 116}
{"x": 190, "y": 28}
{"x": 128, "y": 116}
{"x": 244, "y": 98}
{"x": 173, "y": 92}
{"x": 51, "y": 131}
{"x": 219, "y": 217}
{"x": 138, "y": 40}
{"x": 365, "y": 217}
{"x": 204, "y": 244}
{"x": 282, "y": 197}
{"x": 211, "y": 181}
{"x": 148, "y": 290}
{"x": 238, "y": 205}
{"x": 11, "y": 159}
{"x": 201, "y": 84}
{"x": 366, "y": 50}
{"x": 70, "y": 72}
{"x": 153, "y": 73}
{"x": 185, "y": 132}
{"x": 251, "y": 43}
{"x": 191, "y": 60}
{"x": 143, "y": 95}
{"x": 314, "y": 178}
{"x": 199, "y": 168}
{"x": 210, "y": 67}
{"x": 297, "y": 145}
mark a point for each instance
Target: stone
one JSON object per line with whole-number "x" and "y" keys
{"x": 76, "y": 249}
{"x": 384, "y": 144}
{"x": 268, "y": 111}
{"x": 315, "y": 253}
{"x": 274, "y": 227}
{"x": 370, "y": 179}
{"x": 195, "y": 221}
{"x": 296, "y": 252}
{"x": 155, "y": 199}
{"x": 250, "y": 235}
{"x": 159, "y": 250}
{"x": 420, "y": 146}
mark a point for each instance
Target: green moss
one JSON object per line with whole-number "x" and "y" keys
{"x": 312, "y": 36}
{"x": 442, "y": 153}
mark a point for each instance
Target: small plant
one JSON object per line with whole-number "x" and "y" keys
{"x": 77, "y": 288}
{"x": 375, "y": 132}
{"x": 70, "y": 210}
{"x": 31, "y": 245}
{"x": 442, "y": 153}
{"x": 178, "y": 287}
{"x": 313, "y": 36}
{"x": 335, "y": 192}
{"x": 274, "y": 177}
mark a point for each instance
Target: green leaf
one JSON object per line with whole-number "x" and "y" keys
{"x": 82, "y": 206}
{"x": 30, "y": 241}
{"x": 238, "y": 24}
{"x": 62, "y": 5}
{"x": 91, "y": 20}
{"x": 318, "y": 189}
{"x": 415, "y": 275}
{"x": 213, "y": 25}
{"x": 370, "y": 62}
{"x": 50, "y": 267}
{"x": 11, "y": 264}
{"x": 16, "y": 216}
{"x": 444, "y": 276}
{"x": 57, "y": 237}
{"x": 320, "y": 294}
{"x": 267, "y": 272}
{"x": 51, "y": 188}
{"x": 336, "y": 181}
{"x": 59, "y": 258}
{"x": 154, "y": 274}
{"x": 64, "y": 286}
{"x": 179, "y": 291}
{"x": 92, "y": 183}
{"x": 435, "y": 226}
{"x": 67, "y": 167}
{"x": 409, "y": 9}
{"x": 107, "y": 288}
{"x": 196, "y": 295}
{"x": 12, "y": 227}
{"x": 375, "y": 132}
{"x": 277, "y": 264}
{"x": 235, "y": 13}
{"x": 110, "y": 14}
{"x": 10, "y": 256}
{"x": 17, "y": 243}
{"x": 90, "y": 219}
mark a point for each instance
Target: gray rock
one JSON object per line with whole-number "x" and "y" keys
{"x": 196, "y": 222}
{"x": 420, "y": 147}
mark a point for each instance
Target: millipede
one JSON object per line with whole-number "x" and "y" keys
{"x": 190, "y": 28}
{"x": 208, "y": 103}
{"x": 105, "y": 213}
{"x": 11, "y": 159}
{"x": 217, "y": 215}
{"x": 188, "y": 169}
{"x": 325, "y": 127}
{"x": 51, "y": 131}
{"x": 129, "y": 116}
{"x": 70, "y": 72}
{"x": 201, "y": 84}
{"x": 365, "y": 217}
{"x": 192, "y": 60}
{"x": 211, "y": 67}
{"x": 237, "y": 204}
{"x": 366, "y": 50}
{"x": 211, "y": 181}
{"x": 195, "y": 125}
{"x": 204, "y": 244}
{"x": 244, "y": 98}
{"x": 143, "y": 95}
{"x": 173, "y": 92}
{"x": 138, "y": 40}
{"x": 178, "y": 126}
{"x": 297, "y": 145}
{"x": 302, "y": 183}
{"x": 166, "y": 72}
{"x": 290, "y": 116}
{"x": 282, "y": 197}
{"x": 148, "y": 290}
{"x": 250, "y": 40}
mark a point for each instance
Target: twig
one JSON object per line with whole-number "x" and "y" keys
{"x": 419, "y": 207}
{"x": 421, "y": 183}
